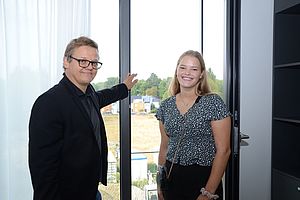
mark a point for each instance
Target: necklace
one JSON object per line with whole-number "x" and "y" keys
{"x": 186, "y": 104}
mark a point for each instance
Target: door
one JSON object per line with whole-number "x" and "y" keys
{"x": 232, "y": 60}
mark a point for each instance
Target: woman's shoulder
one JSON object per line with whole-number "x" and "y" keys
{"x": 212, "y": 97}
{"x": 213, "y": 100}
{"x": 168, "y": 100}
{"x": 216, "y": 104}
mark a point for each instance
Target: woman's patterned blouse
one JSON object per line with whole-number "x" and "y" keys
{"x": 197, "y": 144}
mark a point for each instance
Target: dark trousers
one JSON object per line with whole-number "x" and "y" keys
{"x": 98, "y": 196}
{"x": 185, "y": 182}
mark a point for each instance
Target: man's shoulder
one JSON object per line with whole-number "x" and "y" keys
{"x": 53, "y": 94}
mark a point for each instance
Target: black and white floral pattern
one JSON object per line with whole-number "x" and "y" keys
{"x": 197, "y": 145}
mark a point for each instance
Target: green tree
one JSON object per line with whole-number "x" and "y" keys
{"x": 111, "y": 82}
{"x": 98, "y": 86}
{"x": 211, "y": 74}
{"x": 153, "y": 80}
{"x": 215, "y": 84}
{"x": 140, "y": 183}
{"x": 164, "y": 87}
{"x": 139, "y": 88}
{"x": 152, "y": 91}
{"x": 154, "y": 86}
{"x": 152, "y": 167}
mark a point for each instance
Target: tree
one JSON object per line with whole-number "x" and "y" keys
{"x": 153, "y": 80}
{"x": 215, "y": 84}
{"x": 152, "y": 91}
{"x": 98, "y": 86}
{"x": 210, "y": 74}
{"x": 154, "y": 86}
{"x": 163, "y": 88}
{"x": 139, "y": 89}
{"x": 111, "y": 82}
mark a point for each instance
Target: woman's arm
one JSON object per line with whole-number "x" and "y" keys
{"x": 163, "y": 144}
{"x": 221, "y": 132}
{"x": 162, "y": 152}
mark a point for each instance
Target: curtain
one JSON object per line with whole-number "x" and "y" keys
{"x": 33, "y": 36}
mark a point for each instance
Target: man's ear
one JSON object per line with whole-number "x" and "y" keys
{"x": 66, "y": 63}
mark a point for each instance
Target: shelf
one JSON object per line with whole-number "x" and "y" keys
{"x": 284, "y": 186}
{"x": 287, "y": 6}
{"x": 288, "y": 65}
{"x": 286, "y": 145}
{"x": 286, "y": 39}
{"x": 286, "y": 97}
{"x": 292, "y": 173}
{"x": 287, "y": 120}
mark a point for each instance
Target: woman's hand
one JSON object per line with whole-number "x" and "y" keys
{"x": 130, "y": 81}
{"x": 201, "y": 197}
{"x": 159, "y": 194}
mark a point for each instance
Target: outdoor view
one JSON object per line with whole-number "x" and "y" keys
{"x": 156, "y": 43}
{"x": 146, "y": 97}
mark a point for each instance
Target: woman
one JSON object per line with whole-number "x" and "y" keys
{"x": 195, "y": 128}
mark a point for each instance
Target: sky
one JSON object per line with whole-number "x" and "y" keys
{"x": 159, "y": 35}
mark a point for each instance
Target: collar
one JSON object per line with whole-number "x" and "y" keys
{"x": 75, "y": 89}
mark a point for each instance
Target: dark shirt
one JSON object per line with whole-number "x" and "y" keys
{"x": 92, "y": 109}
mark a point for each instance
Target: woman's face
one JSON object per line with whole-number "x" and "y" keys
{"x": 189, "y": 72}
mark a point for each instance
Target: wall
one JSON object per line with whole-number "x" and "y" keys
{"x": 256, "y": 98}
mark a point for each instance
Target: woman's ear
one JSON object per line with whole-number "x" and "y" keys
{"x": 201, "y": 75}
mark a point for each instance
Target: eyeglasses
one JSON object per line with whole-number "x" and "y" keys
{"x": 85, "y": 63}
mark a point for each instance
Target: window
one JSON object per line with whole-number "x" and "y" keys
{"x": 158, "y": 36}
{"x": 105, "y": 31}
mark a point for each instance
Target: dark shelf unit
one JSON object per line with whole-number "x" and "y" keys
{"x": 286, "y": 101}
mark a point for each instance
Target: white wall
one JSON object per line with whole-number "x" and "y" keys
{"x": 256, "y": 98}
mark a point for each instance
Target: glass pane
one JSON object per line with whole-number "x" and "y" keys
{"x": 105, "y": 31}
{"x": 159, "y": 35}
{"x": 213, "y": 42}
{"x": 213, "y": 45}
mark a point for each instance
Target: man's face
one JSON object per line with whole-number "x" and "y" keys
{"x": 80, "y": 76}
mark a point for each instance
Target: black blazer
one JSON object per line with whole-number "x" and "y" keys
{"x": 64, "y": 157}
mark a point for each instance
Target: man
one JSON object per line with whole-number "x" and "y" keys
{"x": 67, "y": 139}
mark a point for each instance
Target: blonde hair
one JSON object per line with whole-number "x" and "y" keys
{"x": 202, "y": 86}
{"x": 78, "y": 42}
